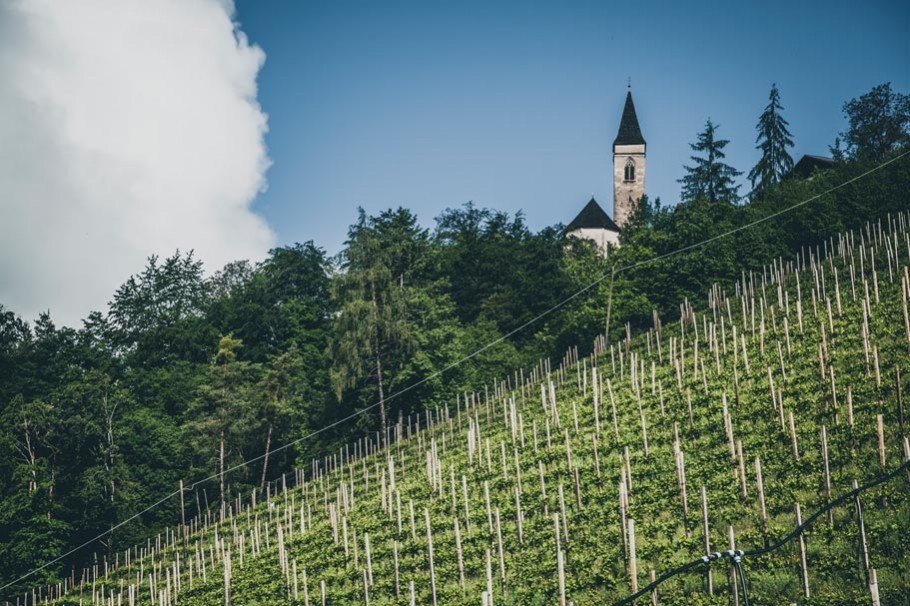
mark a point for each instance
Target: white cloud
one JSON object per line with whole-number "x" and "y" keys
{"x": 127, "y": 128}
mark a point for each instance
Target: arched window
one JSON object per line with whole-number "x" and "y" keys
{"x": 630, "y": 170}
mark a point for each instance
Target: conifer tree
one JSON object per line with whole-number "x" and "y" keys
{"x": 710, "y": 178}
{"x": 773, "y": 140}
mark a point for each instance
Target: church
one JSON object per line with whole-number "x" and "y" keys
{"x": 592, "y": 222}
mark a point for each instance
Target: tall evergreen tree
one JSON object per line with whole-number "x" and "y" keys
{"x": 773, "y": 140}
{"x": 710, "y": 178}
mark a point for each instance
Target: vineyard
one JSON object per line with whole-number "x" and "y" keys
{"x": 580, "y": 481}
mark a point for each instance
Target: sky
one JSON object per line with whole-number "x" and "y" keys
{"x": 515, "y": 106}
{"x": 140, "y": 127}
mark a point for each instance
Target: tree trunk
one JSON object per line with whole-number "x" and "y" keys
{"x": 221, "y": 463}
{"x": 265, "y": 460}
{"x": 382, "y": 418}
{"x": 381, "y": 394}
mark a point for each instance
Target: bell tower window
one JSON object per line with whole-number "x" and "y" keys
{"x": 629, "y": 174}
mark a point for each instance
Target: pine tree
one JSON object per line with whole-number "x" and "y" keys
{"x": 710, "y": 178}
{"x": 773, "y": 140}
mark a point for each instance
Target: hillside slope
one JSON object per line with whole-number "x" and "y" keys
{"x": 792, "y": 371}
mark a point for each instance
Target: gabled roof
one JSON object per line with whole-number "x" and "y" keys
{"x": 629, "y": 131}
{"x": 592, "y": 216}
{"x": 808, "y": 163}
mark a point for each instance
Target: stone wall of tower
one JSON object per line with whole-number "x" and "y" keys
{"x": 625, "y": 193}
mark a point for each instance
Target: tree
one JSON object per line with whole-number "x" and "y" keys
{"x": 284, "y": 300}
{"x": 491, "y": 262}
{"x": 643, "y": 216}
{"x": 878, "y": 124}
{"x": 773, "y": 140}
{"x": 710, "y": 178}
{"x": 221, "y": 408}
{"x": 280, "y": 396}
{"x": 382, "y": 257}
{"x": 158, "y": 316}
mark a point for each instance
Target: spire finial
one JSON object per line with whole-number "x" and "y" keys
{"x": 629, "y": 85}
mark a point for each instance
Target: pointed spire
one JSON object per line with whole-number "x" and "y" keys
{"x": 629, "y": 131}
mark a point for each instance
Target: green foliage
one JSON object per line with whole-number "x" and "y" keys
{"x": 710, "y": 178}
{"x": 382, "y": 262}
{"x": 878, "y": 125}
{"x": 773, "y": 140}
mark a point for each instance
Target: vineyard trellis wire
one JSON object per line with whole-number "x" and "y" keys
{"x": 736, "y": 555}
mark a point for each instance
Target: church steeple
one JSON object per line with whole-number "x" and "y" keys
{"x": 628, "y": 163}
{"x": 629, "y": 130}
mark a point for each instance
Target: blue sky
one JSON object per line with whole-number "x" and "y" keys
{"x": 515, "y": 105}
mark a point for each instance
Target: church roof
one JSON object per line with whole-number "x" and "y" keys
{"x": 592, "y": 216}
{"x": 629, "y": 131}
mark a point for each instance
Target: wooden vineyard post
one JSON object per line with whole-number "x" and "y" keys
{"x": 486, "y": 498}
{"x": 426, "y": 515}
{"x": 182, "y": 513}
{"x": 596, "y": 459}
{"x": 561, "y": 573}
{"x": 881, "y": 440}
{"x": 652, "y": 577}
{"x": 802, "y": 553}
{"x": 322, "y": 591}
{"x": 705, "y": 530}
{"x": 502, "y": 560}
{"x": 633, "y": 560}
{"x": 850, "y": 407}
{"x": 793, "y": 442}
{"x": 467, "y": 513}
{"x": 900, "y": 399}
{"x": 366, "y": 546}
{"x": 562, "y": 509}
{"x": 613, "y": 409}
{"x": 827, "y": 472}
{"x": 577, "y": 489}
{"x": 742, "y": 470}
{"x": 761, "y": 500}
{"x": 519, "y": 517}
{"x": 863, "y": 545}
{"x": 366, "y": 589}
{"x": 459, "y": 554}
{"x": 227, "y": 578}
{"x": 873, "y": 588}
{"x": 596, "y": 394}
{"x": 489, "y": 570}
{"x": 623, "y": 507}
{"x": 395, "y": 560}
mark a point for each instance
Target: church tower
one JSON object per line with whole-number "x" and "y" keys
{"x": 628, "y": 164}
